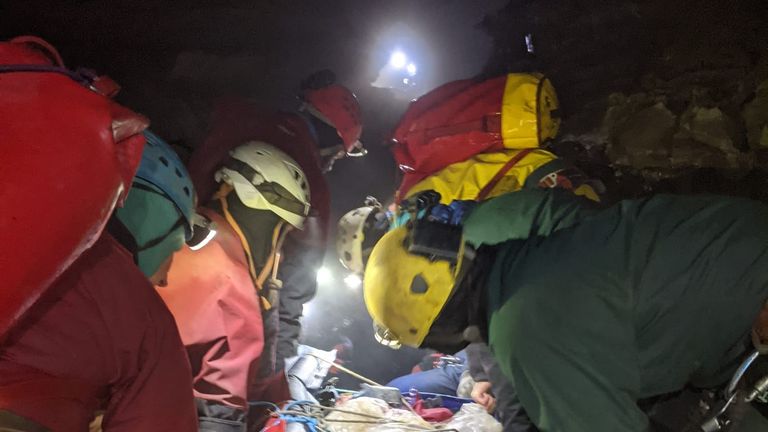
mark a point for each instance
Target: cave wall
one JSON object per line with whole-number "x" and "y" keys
{"x": 656, "y": 95}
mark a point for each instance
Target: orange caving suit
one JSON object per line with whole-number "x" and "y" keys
{"x": 217, "y": 307}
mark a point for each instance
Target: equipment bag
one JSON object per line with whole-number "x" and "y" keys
{"x": 464, "y": 118}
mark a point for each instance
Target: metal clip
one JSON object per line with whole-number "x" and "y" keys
{"x": 759, "y": 392}
{"x": 718, "y": 422}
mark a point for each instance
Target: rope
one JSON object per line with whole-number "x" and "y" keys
{"x": 291, "y": 414}
{"x": 310, "y": 423}
{"x": 315, "y": 422}
{"x": 221, "y": 195}
{"x": 347, "y": 371}
{"x": 363, "y": 379}
{"x": 273, "y": 260}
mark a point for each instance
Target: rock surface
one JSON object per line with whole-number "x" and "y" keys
{"x": 658, "y": 93}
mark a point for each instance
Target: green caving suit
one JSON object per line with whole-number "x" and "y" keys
{"x": 591, "y": 310}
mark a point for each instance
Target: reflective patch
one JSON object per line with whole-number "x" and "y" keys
{"x": 568, "y": 179}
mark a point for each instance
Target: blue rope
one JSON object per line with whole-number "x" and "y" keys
{"x": 297, "y": 403}
{"x": 309, "y": 422}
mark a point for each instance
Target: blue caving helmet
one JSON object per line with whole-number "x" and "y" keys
{"x": 161, "y": 167}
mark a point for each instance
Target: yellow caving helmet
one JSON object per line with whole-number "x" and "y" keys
{"x": 405, "y": 292}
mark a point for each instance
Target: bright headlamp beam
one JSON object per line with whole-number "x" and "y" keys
{"x": 324, "y": 276}
{"x": 208, "y": 237}
{"x": 398, "y": 60}
{"x": 353, "y": 281}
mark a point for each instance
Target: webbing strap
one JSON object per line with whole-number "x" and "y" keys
{"x": 273, "y": 262}
{"x": 501, "y": 173}
{"x": 270, "y": 267}
{"x": 274, "y": 193}
{"x": 40, "y": 68}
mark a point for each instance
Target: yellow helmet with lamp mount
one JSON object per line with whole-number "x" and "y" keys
{"x": 410, "y": 277}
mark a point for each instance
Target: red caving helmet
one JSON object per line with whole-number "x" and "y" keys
{"x": 337, "y": 106}
{"x": 69, "y": 154}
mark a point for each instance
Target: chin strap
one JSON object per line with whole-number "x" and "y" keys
{"x": 123, "y": 235}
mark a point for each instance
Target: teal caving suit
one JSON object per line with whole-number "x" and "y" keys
{"x": 591, "y": 310}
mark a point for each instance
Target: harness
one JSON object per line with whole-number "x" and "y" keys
{"x": 266, "y": 281}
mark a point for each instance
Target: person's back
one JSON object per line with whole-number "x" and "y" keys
{"x": 588, "y": 311}
{"x": 118, "y": 351}
{"x": 218, "y": 310}
{"x": 327, "y": 127}
{"x": 224, "y": 294}
{"x": 101, "y": 338}
{"x": 624, "y": 304}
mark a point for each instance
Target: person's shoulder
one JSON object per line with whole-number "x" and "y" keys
{"x": 109, "y": 253}
{"x": 108, "y": 276}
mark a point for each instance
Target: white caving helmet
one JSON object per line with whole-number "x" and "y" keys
{"x": 266, "y": 178}
{"x": 350, "y": 235}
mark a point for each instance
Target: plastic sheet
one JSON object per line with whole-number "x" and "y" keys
{"x": 453, "y": 403}
{"x": 308, "y": 368}
{"x": 473, "y": 418}
{"x": 376, "y": 408}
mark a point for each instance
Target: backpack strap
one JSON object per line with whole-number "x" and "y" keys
{"x": 486, "y": 190}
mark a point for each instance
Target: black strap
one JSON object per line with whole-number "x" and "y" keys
{"x": 123, "y": 235}
{"x": 215, "y": 417}
{"x": 159, "y": 239}
{"x": 147, "y": 188}
{"x": 179, "y": 222}
{"x": 274, "y": 193}
{"x": 78, "y": 76}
